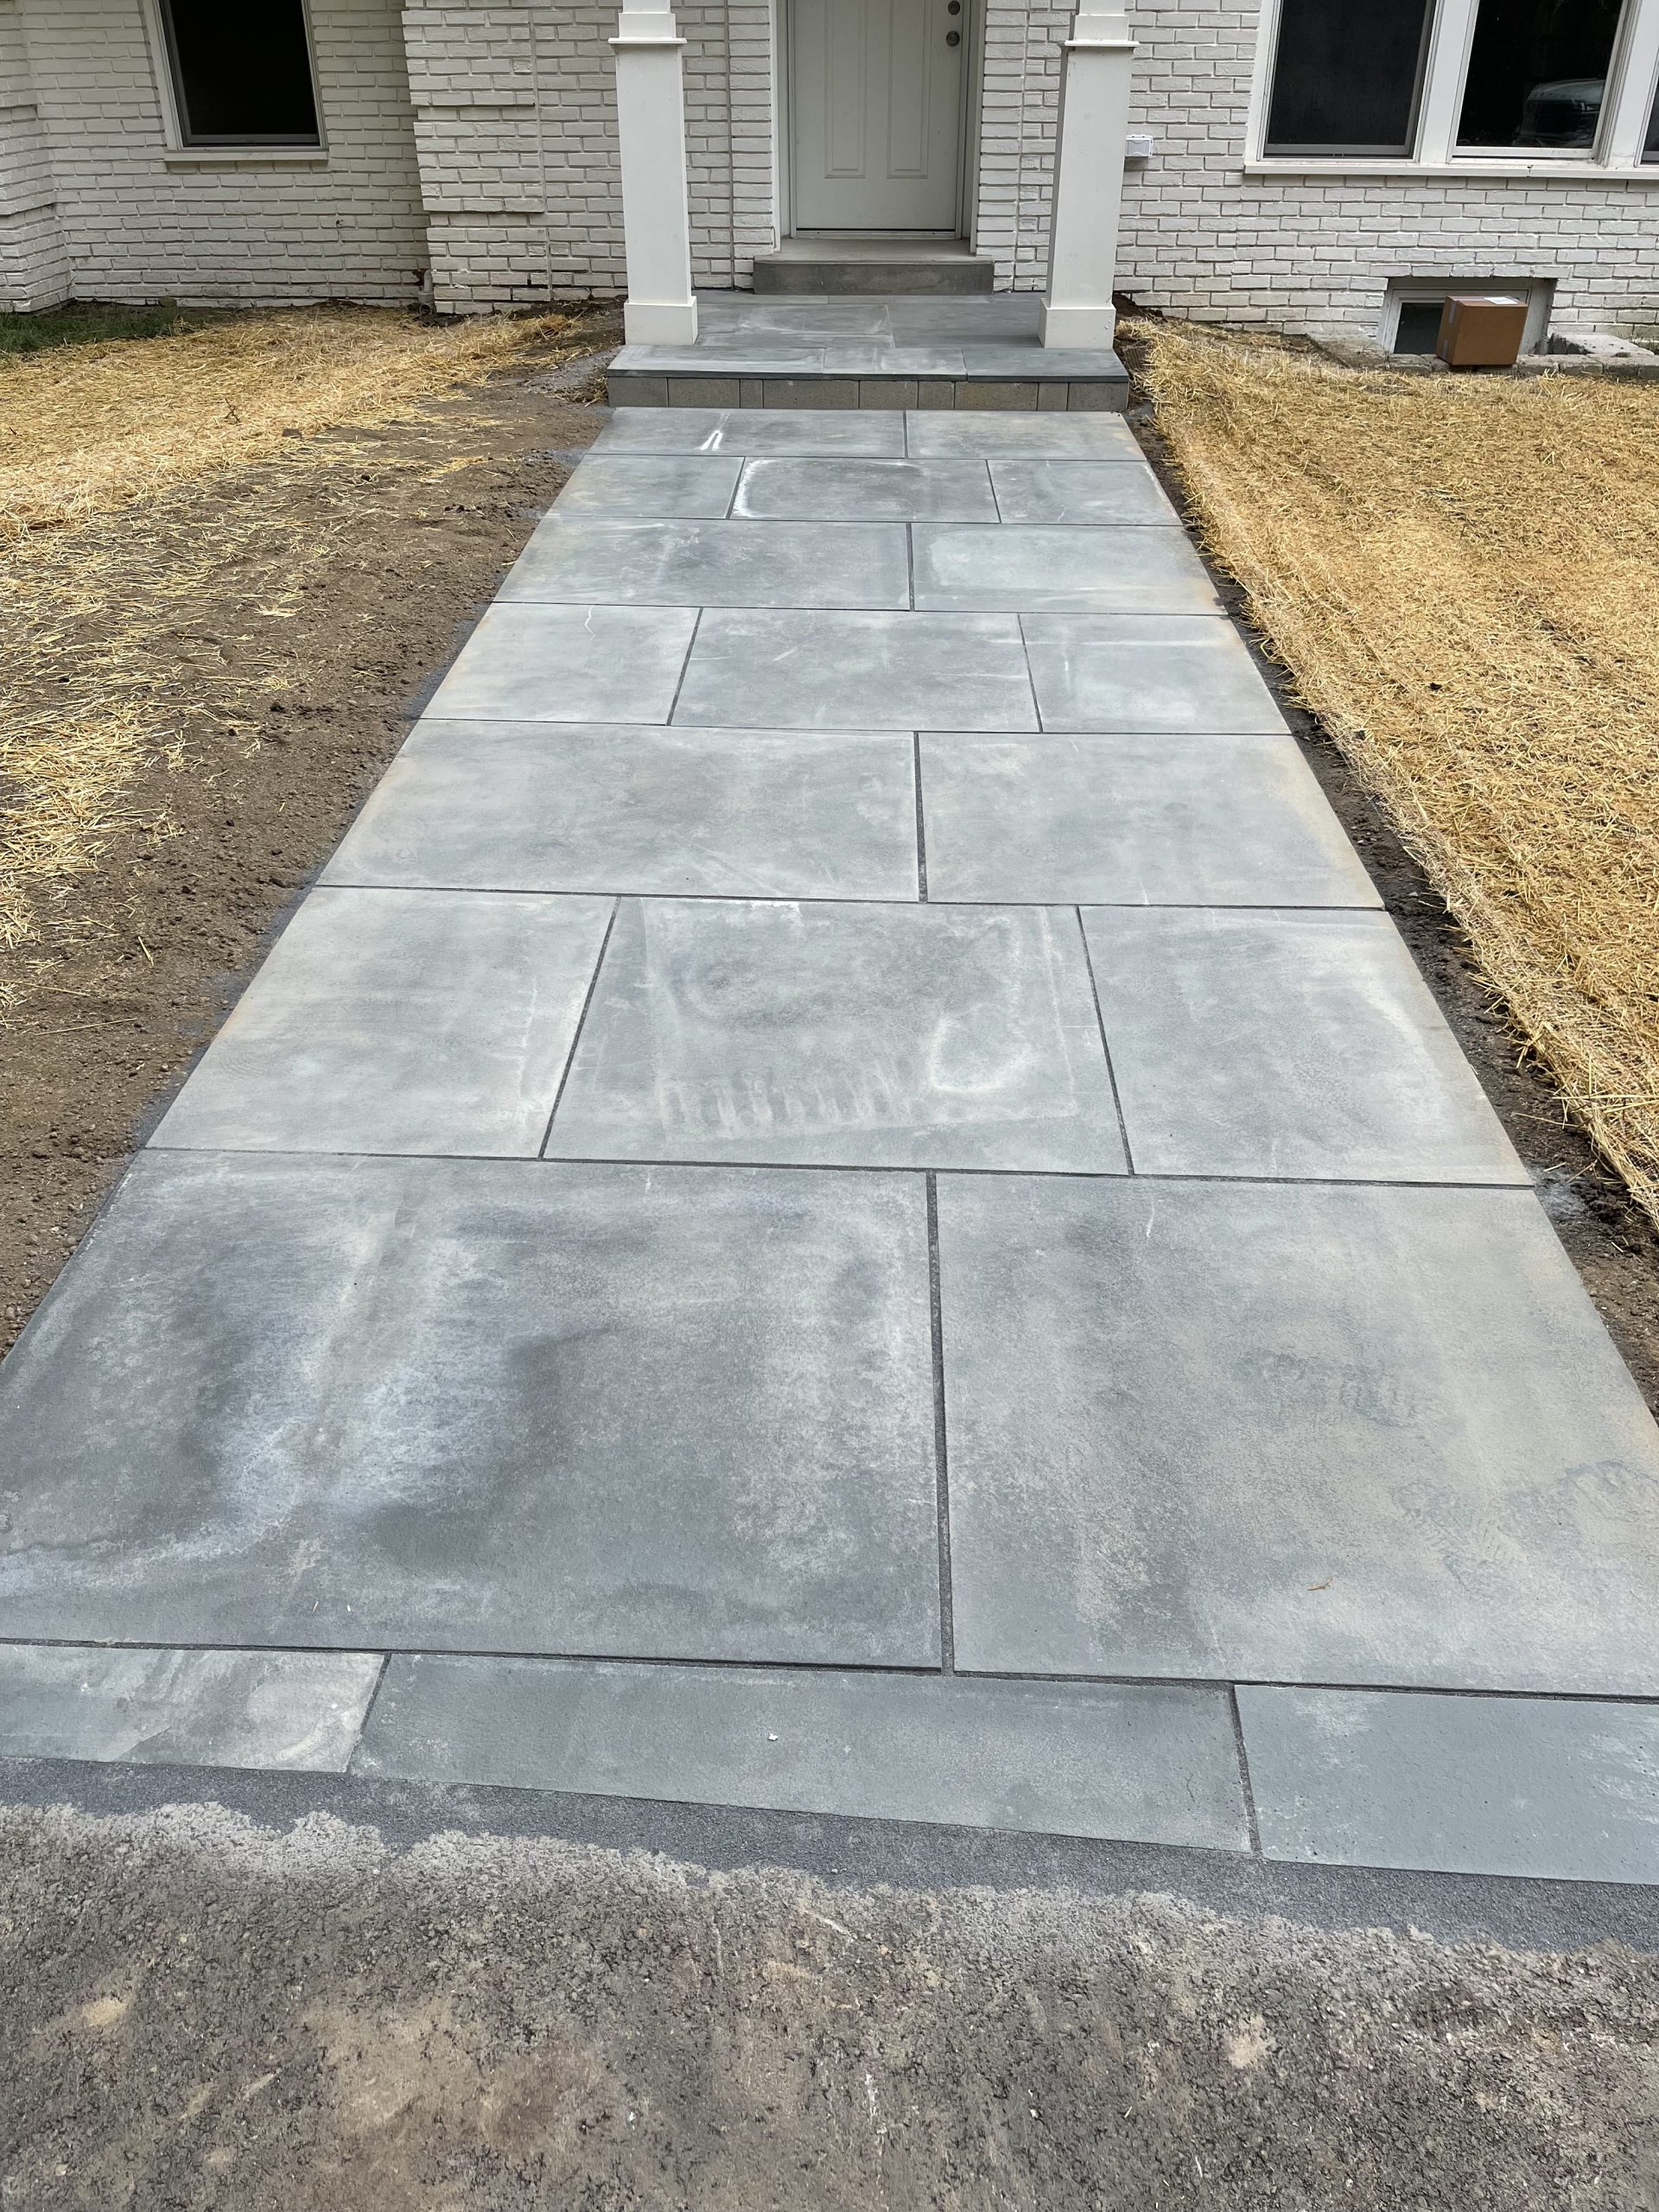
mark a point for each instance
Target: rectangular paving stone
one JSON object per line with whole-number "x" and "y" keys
{"x": 1144, "y": 1763}
{"x": 424, "y": 1021}
{"x": 1289, "y": 1433}
{"x": 841, "y": 1035}
{"x": 297, "y": 1711}
{"x": 714, "y": 564}
{"x": 1133, "y": 821}
{"x": 1564, "y": 1790}
{"x": 1114, "y": 493}
{"x": 1286, "y": 1044}
{"x": 528, "y": 806}
{"x": 440, "y": 1404}
{"x": 871, "y": 491}
{"x": 825, "y": 670}
{"x": 1058, "y": 568}
{"x": 746, "y": 430}
{"x": 652, "y": 484}
{"x": 1185, "y": 674}
{"x": 569, "y": 665}
{"x": 997, "y": 436}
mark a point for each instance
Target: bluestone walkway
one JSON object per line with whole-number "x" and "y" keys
{"x": 842, "y": 1200}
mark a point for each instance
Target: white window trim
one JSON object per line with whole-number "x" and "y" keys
{"x": 1632, "y": 78}
{"x": 181, "y": 153}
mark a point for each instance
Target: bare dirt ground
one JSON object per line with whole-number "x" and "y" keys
{"x": 197, "y": 2012}
{"x": 288, "y": 672}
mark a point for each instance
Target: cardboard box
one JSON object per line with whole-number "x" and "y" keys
{"x": 1482, "y": 330}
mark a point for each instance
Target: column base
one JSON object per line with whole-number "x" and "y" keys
{"x": 650, "y": 322}
{"x": 1080, "y": 329}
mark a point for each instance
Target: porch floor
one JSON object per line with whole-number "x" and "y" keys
{"x": 888, "y": 350}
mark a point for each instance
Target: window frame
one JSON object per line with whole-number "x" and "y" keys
{"x": 1632, "y": 83}
{"x": 185, "y": 149}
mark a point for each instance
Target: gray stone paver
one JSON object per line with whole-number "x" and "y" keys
{"x": 300, "y": 1712}
{"x": 1046, "y": 569}
{"x": 1305, "y": 1434}
{"x": 841, "y": 1036}
{"x": 1188, "y": 675}
{"x": 1149, "y": 1762}
{"x": 736, "y": 814}
{"x": 1286, "y": 1044}
{"x": 1309, "y": 1432}
{"x": 873, "y": 491}
{"x": 477, "y": 1404}
{"x": 1133, "y": 821}
{"x": 723, "y": 563}
{"x": 413, "y": 1022}
{"x": 1564, "y": 1788}
{"x": 570, "y": 665}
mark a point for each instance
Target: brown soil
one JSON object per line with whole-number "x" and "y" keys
{"x": 196, "y": 2013}
{"x": 380, "y": 561}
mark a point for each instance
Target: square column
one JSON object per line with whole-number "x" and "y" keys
{"x": 661, "y": 308}
{"x": 1089, "y": 156}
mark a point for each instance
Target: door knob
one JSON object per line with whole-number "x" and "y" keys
{"x": 953, "y": 38}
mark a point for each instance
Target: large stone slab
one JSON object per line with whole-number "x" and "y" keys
{"x": 399, "y": 1022}
{"x": 527, "y": 806}
{"x": 1308, "y": 1432}
{"x": 1058, "y": 569}
{"x": 1182, "y": 674}
{"x": 765, "y": 671}
{"x": 1145, "y": 1763}
{"x": 872, "y": 491}
{"x": 569, "y": 665}
{"x": 1562, "y": 1788}
{"x": 841, "y": 1035}
{"x": 1119, "y": 493}
{"x": 482, "y": 1405}
{"x": 1134, "y": 821}
{"x": 749, "y": 429}
{"x": 586, "y": 558}
{"x": 652, "y": 484}
{"x": 1286, "y": 1044}
{"x": 296, "y": 1711}
{"x": 995, "y": 434}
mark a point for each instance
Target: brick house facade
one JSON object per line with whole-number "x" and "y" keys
{"x": 469, "y": 155}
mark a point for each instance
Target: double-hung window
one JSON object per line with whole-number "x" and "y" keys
{"x": 1523, "y": 82}
{"x": 241, "y": 73}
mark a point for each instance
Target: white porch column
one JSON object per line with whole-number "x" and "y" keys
{"x": 1089, "y": 151}
{"x": 661, "y": 308}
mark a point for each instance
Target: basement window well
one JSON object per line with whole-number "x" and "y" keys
{"x": 241, "y": 76}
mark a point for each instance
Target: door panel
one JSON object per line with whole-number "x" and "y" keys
{"x": 875, "y": 114}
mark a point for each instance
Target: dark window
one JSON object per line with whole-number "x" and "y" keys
{"x": 1650, "y": 152}
{"x": 1419, "y": 325}
{"x": 1537, "y": 73}
{"x": 242, "y": 74}
{"x": 1346, "y": 76}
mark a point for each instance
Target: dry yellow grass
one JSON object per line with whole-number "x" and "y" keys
{"x": 1461, "y": 575}
{"x": 85, "y": 428}
{"x": 99, "y": 445}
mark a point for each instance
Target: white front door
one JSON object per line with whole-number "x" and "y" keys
{"x": 875, "y": 101}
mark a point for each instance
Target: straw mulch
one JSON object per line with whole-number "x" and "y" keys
{"x": 1461, "y": 575}
{"x": 101, "y": 447}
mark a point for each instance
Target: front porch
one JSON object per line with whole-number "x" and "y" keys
{"x": 904, "y": 350}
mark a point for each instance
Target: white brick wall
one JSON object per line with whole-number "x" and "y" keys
{"x": 138, "y": 226}
{"x": 1315, "y": 254}
{"x": 33, "y": 260}
{"x": 477, "y": 137}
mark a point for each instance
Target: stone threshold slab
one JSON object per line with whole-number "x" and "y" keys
{"x": 1145, "y": 1763}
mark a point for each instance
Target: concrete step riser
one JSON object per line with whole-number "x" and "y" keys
{"x": 955, "y": 274}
